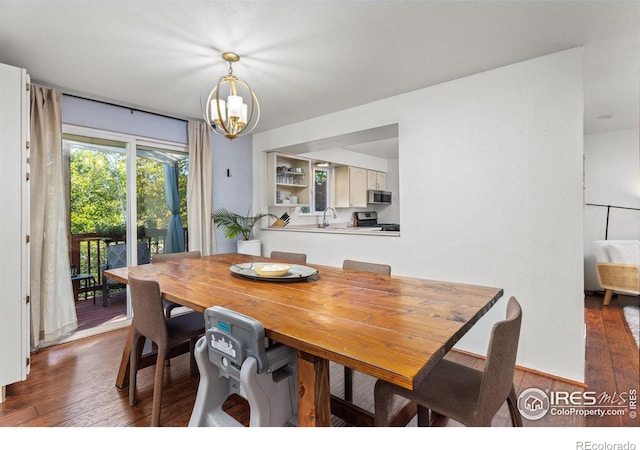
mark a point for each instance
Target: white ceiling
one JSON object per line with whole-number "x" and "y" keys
{"x": 308, "y": 58}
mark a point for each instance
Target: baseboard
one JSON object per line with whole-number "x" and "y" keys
{"x": 594, "y": 292}
{"x": 532, "y": 371}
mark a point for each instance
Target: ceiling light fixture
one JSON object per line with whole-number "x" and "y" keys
{"x": 233, "y": 116}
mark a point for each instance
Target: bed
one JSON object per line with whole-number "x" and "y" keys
{"x": 618, "y": 267}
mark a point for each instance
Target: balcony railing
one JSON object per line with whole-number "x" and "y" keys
{"x": 87, "y": 253}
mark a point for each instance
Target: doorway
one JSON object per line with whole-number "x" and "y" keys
{"x": 122, "y": 190}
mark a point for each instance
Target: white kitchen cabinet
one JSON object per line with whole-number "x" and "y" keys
{"x": 351, "y": 187}
{"x": 289, "y": 180}
{"x": 14, "y": 264}
{"x": 376, "y": 180}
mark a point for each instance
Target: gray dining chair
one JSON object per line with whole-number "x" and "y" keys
{"x": 299, "y": 258}
{"x": 168, "y": 305}
{"x": 150, "y": 322}
{"x": 362, "y": 266}
{"x": 470, "y": 396}
{"x": 160, "y": 257}
{"x": 382, "y": 269}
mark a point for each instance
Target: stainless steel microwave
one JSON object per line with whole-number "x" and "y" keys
{"x": 374, "y": 196}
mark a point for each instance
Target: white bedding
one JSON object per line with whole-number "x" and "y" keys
{"x": 617, "y": 251}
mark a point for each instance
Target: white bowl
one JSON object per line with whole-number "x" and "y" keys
{"x": 271, "y": 270}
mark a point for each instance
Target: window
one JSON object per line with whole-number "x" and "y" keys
{"x": 322, "y": 195}
{"x": 98, "y": 185}
{"x": 320, "y": 188}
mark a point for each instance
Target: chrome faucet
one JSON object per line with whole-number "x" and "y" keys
{"x": 325, "y": 224}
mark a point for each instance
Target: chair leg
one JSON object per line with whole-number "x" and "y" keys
{"x": 608, "y": 294}
{"x": 157, "y": 388}
{"x": 137, "y": 344}
{"x": 105, "y": 295}
{"x": 193, "y": 366}
{"x": 348, "y": 384}
{"x": 514, "y": 412}
{"x": 423, "y": 416}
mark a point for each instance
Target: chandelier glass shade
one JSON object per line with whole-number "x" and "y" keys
{"x": 232, "y": 109}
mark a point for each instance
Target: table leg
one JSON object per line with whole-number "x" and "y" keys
{"x": 122, "y": 380}
{"x": 314, "y": 396}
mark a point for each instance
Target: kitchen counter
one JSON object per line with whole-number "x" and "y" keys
{"x": 336, "y": 229}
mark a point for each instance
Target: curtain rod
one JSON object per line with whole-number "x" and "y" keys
{"x": 104, "y": 102}
{"x": 611, "y": 206}
{"x": 126, "y": 107}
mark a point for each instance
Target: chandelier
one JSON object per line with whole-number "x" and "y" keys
{"x": 226, "y": 111}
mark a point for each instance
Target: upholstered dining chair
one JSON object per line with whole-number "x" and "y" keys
{"x": 470, "y": 396}
{"x": 168, "y": 305}
{"x": 351, "y": 264}
{"x": 382, "y": 269}
{"x": 160, "y": 257}
{"x": 299, "y": 258}
{"x": 150, "y": 322}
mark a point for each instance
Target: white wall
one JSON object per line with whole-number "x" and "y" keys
{"x": 612, "y": 177}
{"x": 235, "y": 190}
{"x": 104, "y": 116}
{"x": 490, "y": 188}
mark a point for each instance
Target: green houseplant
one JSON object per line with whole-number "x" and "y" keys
{"x": 235, "y": 225}
{"x": 118, "y": 231}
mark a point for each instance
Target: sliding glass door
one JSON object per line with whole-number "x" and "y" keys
{"x": 127, "y": 201}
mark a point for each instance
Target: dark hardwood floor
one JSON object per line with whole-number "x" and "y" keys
{"x": 612, "y": 357}
{"x": 72, "y": 384}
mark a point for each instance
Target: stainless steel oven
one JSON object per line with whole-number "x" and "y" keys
{"x": 369, "y": 219}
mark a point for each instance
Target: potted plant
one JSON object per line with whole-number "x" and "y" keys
{"x": 117, "y": 232}
{"x": 235, "y": 225}
{"x": 110, "y": 232}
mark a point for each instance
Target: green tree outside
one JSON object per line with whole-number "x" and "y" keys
{"x": 98, "y": 191}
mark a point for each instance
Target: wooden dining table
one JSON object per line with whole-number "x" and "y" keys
{"x": 393, "y": 328}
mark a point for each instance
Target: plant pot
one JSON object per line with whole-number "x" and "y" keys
{"x": 251, "y": 247}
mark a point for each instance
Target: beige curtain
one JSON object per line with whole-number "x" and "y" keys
{"x": 52, "y": 304}
{"x": 199, "y": 189}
